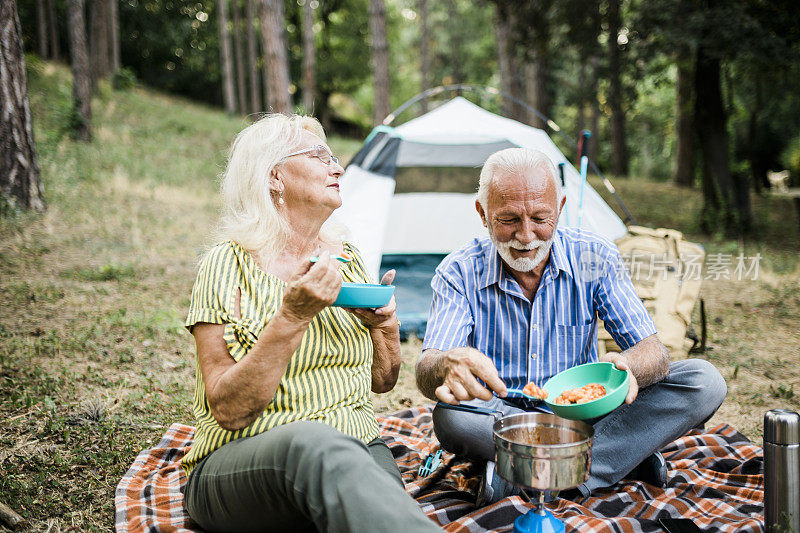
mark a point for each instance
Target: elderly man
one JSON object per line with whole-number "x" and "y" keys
{"x": 522, "y": 306}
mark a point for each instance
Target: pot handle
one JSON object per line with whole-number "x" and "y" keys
{"x": 474, "y": 409}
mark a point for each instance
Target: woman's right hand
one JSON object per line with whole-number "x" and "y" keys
{"x": 312, "y": 288}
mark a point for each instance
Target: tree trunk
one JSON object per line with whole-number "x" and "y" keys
{"x": 580, "y": 122}
{"x": 536, "y": 74}
{"x": 517, "y": 89}
{"x": 684, "y": 127}
{"x": 646, "y": 162}
{"x": 252, "y": 55}
{"x": 752, "y": 149}
{"x": 81, "y": 76}
{"x": 510, "y": 81}
{"x": 116, "y": 62}
{"x": 241, "y": 98}
{"x": 20, "y": 181}
{"x": 759, "y": 165}
{"x": 276, "y": 65}
{"x": 41, "y": 26}
{"x": 425, "y": 53}
{"x": 309, "y": 58}
{"x": 618, "y": 143}
{"x": 380, "y": 59}
{"x": 99, "y": 41}
{"x": 324, "y": 110}
{"x": 741, "y": 186}
{"x": 55, "y": 46}
{"x": 722, "y": 201}
{"x": 505, "y": 63}
{"x": 455, "y": 41}
{"x": 529, "y": 76}
{"x": 228, "y": 96}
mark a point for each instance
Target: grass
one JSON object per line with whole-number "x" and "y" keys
{"x": 753, "y": 327}
{"x": 95, "y": 363}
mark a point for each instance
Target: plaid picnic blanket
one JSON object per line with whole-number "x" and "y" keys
{"x": 715, "y": 479}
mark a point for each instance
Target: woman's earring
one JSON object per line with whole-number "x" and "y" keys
{"x": 280, "y": 198}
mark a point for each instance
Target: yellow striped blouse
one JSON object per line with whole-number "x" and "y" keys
{"x": 329, "y": 377}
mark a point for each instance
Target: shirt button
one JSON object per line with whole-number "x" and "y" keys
{"x": 534, "y": 355}
{"x": 535, "y": 326}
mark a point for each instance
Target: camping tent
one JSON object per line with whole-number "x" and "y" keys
{"x": 383, "y": 223}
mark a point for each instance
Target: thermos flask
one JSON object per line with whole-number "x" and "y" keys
{"x": 782, "y": 471}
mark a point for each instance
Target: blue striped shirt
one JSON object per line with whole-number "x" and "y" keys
{"x": 476, "y": 303}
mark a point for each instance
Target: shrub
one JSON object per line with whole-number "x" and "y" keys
{"x": 124, "y": 79}
{"x": 791, "y": 159}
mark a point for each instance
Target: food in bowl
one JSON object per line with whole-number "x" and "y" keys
{"x": 584, "y": 394}
{"x": 603, "y": 373}
{"x": 532, "y": 389}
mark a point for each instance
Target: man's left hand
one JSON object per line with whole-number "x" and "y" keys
{"x": 621, "y": 363}
{"x": 383, "y": 317}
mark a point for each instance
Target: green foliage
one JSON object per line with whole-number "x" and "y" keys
{"x": 469, "y": 42}
{"x": 103, "y": 273}
{"x": 173, "y": 45}
{"x": 34, "y": 66}
{"x": 9, "y": 208}
{"x": 123, "y": 79}
{"x": 791, "y": 159}
{"x": 61, "y": 118}
{"x": 761, "y": 60}
{"x": 343, "y": 54}
{"x": 782, "y": 391}
{"x": 651, "y": 134}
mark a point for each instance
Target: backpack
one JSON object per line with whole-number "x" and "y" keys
{"x": 666, "y": 271}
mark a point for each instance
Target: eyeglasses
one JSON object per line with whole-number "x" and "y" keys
{"x": 318, "y": 151}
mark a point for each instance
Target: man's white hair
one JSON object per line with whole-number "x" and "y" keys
{"x": 516, "y": 160}
{"x": 249, "y": 215}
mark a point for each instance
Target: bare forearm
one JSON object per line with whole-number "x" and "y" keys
{"x": 244, "y": 390}
{"x": 648, "y": 361}
{"x": 429, "y": 372}
{"x": 385, "y": 358}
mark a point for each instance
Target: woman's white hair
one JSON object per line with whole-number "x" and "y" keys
{"x": 249, "y": 215}
{"x": 516, "y": 160}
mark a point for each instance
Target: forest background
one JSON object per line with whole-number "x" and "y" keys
{"x": 697, "y": 92}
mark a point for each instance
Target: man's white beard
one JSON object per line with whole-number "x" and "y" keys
{"x": 523, "y": 264}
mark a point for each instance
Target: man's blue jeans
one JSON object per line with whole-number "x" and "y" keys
{"x": 689, "y": 395}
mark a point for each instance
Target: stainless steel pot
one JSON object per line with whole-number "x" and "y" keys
{"x": 538, "y": 450}
{"x": 543, "y": 451}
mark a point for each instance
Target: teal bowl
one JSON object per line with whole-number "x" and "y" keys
{"x": 614, "y": 380}
{"x": 365, "y": 295}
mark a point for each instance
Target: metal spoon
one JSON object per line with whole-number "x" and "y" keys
{"x": 341, "y": 258}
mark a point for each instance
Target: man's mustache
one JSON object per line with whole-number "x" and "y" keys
{"x": 533, "y": 245}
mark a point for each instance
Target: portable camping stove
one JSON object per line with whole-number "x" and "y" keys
{"x": 542, "y": 452}
{"x": 538, "y": 519}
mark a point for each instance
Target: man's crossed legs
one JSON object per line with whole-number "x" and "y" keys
{"x": 689, "y": 395}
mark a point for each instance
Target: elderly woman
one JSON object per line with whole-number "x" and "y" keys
{"x": 286, "y": 434}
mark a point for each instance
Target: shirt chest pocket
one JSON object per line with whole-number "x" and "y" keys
{"x": 575, "y": 340}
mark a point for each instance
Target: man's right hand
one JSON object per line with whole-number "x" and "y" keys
{"x": 461, "y": 368}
